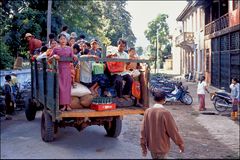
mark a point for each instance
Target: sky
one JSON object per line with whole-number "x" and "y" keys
{"x": 143, "y": 12}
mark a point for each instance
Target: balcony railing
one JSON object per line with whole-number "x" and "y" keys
{"x": 217, "y": 25}
{"x": 185, "y": 37}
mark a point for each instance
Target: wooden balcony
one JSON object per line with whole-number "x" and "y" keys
{"x": 217, "y": 25}
{"x": 185, "y": 38}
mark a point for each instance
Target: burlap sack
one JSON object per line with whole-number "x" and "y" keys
{"x": 18, "y": 63}
{"x": 75, "y": 104}
{"x": 86, "y": 100}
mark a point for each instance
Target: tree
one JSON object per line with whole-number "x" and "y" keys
{"x": 103, "y": 20}
{"x": 160, "y": 24}
{"x": 117, "y": 22}
{"x": 139, "y": 50}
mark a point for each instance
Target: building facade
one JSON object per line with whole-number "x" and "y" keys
{"x": 222, "y": 42}
{"x": 191, "y": 39}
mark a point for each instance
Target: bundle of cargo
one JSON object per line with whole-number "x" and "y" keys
{"x": 81, "y": 97}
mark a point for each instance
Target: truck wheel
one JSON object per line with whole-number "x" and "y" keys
{"x": 47, "y": 127}
{"x": 114, "y": 128}
{"x": 30, "y": 110}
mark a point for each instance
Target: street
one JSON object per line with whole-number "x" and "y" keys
{"x": 205, "y": 136}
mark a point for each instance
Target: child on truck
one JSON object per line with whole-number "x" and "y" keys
{"x": 134, "y": 67}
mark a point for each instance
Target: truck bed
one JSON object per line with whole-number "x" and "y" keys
{"x": 92, "y": 113}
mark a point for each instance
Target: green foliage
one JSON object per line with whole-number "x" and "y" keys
{"x": 139, "y": 50}
{"x": 160, "y": 24}
{"x": 167, "y": 50}
{"x": 106, "y": 21}
{"x": 6, "y": 60}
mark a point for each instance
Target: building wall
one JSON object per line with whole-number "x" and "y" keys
{"x": 234, "y": 14}
{"x": 223, "y": 50}
{"x": 194, "y": 60}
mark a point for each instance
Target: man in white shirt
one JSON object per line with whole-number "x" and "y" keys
{"x": 64, "y": 31}
{"x": 120, "y": 76}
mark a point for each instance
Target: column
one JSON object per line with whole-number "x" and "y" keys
{"x": 195, "y": 61}
{"x": 198, "y": 64}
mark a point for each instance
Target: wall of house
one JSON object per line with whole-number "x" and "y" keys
{"x": 234, "y": 14}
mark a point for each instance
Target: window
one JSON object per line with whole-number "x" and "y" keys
{"x": 235, "y": 4}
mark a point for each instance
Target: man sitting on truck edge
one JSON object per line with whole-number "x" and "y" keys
{"x": 118, "y": 78}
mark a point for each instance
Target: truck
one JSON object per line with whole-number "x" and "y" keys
{"x": 45, "y": 97}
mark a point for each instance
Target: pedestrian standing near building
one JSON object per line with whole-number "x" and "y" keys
{"x": 9, "y": 100}
{"x": 202, "y": 87}
{"x": 157, "y": 129}
{"x": 235, "y": 95}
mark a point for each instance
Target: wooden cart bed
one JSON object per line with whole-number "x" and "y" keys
{"x": 107, "y": 113}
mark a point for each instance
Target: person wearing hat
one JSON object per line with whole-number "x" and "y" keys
{"x": 94, "y": 48}
{"x": 33, "y": 43}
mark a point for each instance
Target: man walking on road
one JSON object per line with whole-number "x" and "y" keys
{"x": 157, "y": 129}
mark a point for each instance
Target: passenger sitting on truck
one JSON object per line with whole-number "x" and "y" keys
{"x": 64, "y": 72}
{"x": 72, "y": 41}
{"x": 99, "y": 78}
{"x": 86, "y": 70}
{"x": 133, "y": 68}
{"x": 33, "y": 43}
{"x": 118, "y": 78}
{"x": 42, "y": 53}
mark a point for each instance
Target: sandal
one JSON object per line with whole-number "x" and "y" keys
{"x": 68, "y": 108}
{"x": 63, "y": 108}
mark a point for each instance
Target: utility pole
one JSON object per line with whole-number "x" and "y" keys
{"x": 157, "y": 51}
{"x": 49, "y": 12}
{"x": 155, "y": 66}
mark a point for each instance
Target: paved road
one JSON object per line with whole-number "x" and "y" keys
{"x": 21, "y": 139}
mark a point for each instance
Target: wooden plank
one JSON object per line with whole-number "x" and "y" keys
{"x": 109, "y": 113}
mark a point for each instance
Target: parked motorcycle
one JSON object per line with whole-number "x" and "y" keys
{"x": 188, "y": 76}
{"x": 181, "y": 94}
{"x": 221, "y": 101}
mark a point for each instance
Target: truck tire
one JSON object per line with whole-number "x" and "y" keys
{"x": 30, "y": 110}
{"x": 47, "y": 127}
{"x": 115, "y": 128}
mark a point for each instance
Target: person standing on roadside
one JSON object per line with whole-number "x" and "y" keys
{"x": 158, "y": 127}
{"x": 8, "y": 97}
{"x": 202, "y": 87}
{"x": 235, "y": 95}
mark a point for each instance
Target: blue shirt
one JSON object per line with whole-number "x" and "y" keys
{"x": 97, "y": 53}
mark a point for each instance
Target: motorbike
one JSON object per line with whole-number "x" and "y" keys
{"x": 221, "y": 101}
{"x": 181, "y": 94}
{"x": 188, "y": 76}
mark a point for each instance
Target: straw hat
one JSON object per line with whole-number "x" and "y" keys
{"x": 28, "y": 35}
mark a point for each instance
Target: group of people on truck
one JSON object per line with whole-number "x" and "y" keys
{"x": 93, "y": 74}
